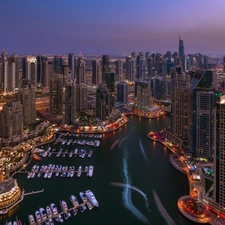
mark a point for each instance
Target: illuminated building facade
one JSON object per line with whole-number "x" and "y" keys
{"x": 9, "y": 193}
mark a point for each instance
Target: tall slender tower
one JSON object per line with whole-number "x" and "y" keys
{"x": 181, "y": 53}
{"x": 2, "y": 69}
{"x": 105, "y": 66}
{"x": 56, "y": 94}
{"x": 119, "y": 71}
{"x": 80, "y": 70}
{"x": 72, "y": 65}
{"x": 224, "y": 64}
{"x": 95, "y": 72}
{"x": 29, "y": 69}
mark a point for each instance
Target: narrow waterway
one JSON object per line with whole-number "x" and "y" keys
{"x": 125, "y": 181}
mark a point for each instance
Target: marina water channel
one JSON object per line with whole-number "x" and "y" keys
{"x": 135, "y": 160}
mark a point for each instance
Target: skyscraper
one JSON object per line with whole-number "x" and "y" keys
{"x": 103, "y": 108}
{"x": 105, "y": 66}
{"x": 70, "y": 103}
{"x": 11, "y": 119}
{"x": 131, "y": 69}
{"x": 181, "y": 47}
{"x": 202, "y": 104}
{"x": 110, "y": 85}
{"x": 9, "y": 77}
{"x": 96, "y": 72}
{"x": 2, "y": 69}
{"x": 40, "y": 69}
{"x": 56, "y": 94}
{"x": 181, "y": 53}
{"x": 81, "y": 70}
{"x": 119, "y": 71}
{"x": 29, "y": 69}
{"x": 16, "y": 59}
{"x": 181, "y": 108}
{"x": 122, "y": 92}
{"x": 72, "y": 65}
{"x": 224, "y": 64}
{"x": 219, "y": 155}
{"x": 58, "y": 64}
{"x": 143, "y": 92}
{"x": 26, "y": 95}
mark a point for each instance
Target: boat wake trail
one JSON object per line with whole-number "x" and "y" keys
{"x": 135, "y": 189}
{"x": 114, "y": 144}
{"x": 143, "y": 151}
{"x": 127, "y": 193}
{"x": 123, "y": 140}
{"x": 162, "y": 210}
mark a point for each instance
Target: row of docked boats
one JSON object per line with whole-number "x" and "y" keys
{"x": 95, "y": 143}
{"x": 81, "y": 135}
{"x": 76, "y": 152}
{"x": 50, "y": 213}
{"x": 59, "y": 170}
{"x": 17, "y": 222}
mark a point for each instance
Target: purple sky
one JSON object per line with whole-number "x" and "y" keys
{"x": 106, "y": 26}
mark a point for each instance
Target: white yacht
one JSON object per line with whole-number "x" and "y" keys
{"x": 64, "y": 206}
{"x": 38, "y": 216}
{"x": 31, "y": 220}
{"x": 43, "y": 214}
{"x": 74, "y": 201}
{"x": 90, "y": 171}
{"x": 49, "y": 212}
{"x": 92, "y": 198}
{"x": 49, "y": 174}
{"x": 15, "y": 223}
{"x": 79, "y": 171}
{"x": 51, "y": 222}
{"x": 83, "y": 196}
{"x": 54, "y": 209}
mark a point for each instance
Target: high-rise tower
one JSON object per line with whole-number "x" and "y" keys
{"x": 105, "y": 66}
{"x": 80, "y": 70}
{"x": 202, "y": 103}
{"x": 96, "y": 72}
{"x": 56, "y": 94}
{"x": 72, "y": 65}
{"x": 26, "y": 95}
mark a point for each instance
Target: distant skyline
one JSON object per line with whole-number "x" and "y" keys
{"x": 111, "y": 27}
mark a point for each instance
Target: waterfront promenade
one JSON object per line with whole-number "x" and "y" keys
{"x": 196, "y": 214}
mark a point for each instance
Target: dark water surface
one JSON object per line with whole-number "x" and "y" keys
{"x": 147, "y": 169}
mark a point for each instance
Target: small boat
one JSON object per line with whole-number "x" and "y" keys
{"x": 54, "y": 209}
{"x": 38, "y": 216}
{"x": 64, "y": 206}
{"x": 91, "y": 198}
{"x": 90, "y": 171}
{"x": 74, "y": 201}
{"x": 83, "y": 196}
{"x": 36, "y": 157}
{"x": 31, "y": 220}
{"x": 49, "y": 212}
{"x": 43, "y": 214}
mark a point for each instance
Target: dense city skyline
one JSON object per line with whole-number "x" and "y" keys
{"x": 112, "y": 27}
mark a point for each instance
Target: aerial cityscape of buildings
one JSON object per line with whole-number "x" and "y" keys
{"x": 90, "y": 94}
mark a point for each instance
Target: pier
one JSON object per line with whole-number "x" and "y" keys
{"x": 34, "y": 192}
